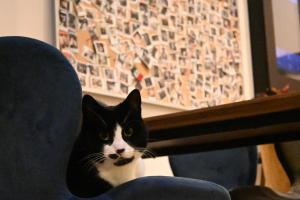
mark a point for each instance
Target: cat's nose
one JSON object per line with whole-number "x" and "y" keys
{"x": 119, "y": 151}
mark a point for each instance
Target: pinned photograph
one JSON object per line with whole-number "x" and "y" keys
{"x": 73, "y": 44}
{"x": 82, "y": 80}
{"x": 63, "y": 39}
{"x": 94, "y": 70}
{"x": 82, "y": 68}
{"x": 124, "y": 77}
{"x": 109, "y": 74}
{"x": 64, "y": 4}
{"x": 96, "y": 83}
{"x": 88, "y": 54}
{"x": 110, "y": 86}
{"x": 123, "y": 88}
{"x": 72, "y": 21}
{"x": 148, "y": 82}
{"x": 162, "y": 94}
{"x": 63, "y": 19}
{"x": 99, "y": 46}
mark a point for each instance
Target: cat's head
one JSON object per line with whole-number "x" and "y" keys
{"x": 117, "y": 133}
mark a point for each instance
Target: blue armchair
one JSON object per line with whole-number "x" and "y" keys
{"x": 40, "y": 110}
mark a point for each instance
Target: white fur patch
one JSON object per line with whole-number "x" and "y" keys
{"x": 117, "y": 175}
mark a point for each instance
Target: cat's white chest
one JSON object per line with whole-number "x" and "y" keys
{"x": 117, "y": 175}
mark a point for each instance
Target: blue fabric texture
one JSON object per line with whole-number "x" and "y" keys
{"x": 229, "y": 168}
{"x": 40, "y": 111}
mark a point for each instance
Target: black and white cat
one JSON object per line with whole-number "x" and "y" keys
{"x": 109, "y": 147}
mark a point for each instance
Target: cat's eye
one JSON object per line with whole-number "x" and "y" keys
{"x": 128, "y": 132}
{"x": 104, "y": 136}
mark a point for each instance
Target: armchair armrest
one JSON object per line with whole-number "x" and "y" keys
{"x": 258, "y": 121}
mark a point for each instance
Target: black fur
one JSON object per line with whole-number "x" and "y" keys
{"x": 99, "y": 119}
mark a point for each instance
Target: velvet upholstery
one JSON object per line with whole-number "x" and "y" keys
{"x": 40, "y": 111}
{"x": 229, "y": 168}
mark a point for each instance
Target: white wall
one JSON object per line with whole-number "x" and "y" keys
{"x": 35, "y": 18}
{"x": 286, "y": 25}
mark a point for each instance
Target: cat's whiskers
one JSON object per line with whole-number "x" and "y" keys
{"x": 146, "y": 152}
{"x": 91, "y": 162}
{"x": 92, "y": 155}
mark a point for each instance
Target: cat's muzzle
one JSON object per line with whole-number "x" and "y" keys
{"x": 123, "y": 161}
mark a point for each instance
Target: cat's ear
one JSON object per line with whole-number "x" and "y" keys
{"x": 89, "y": 103}
{"x": 134, "y": 99}
{"x": 91, "y": 109}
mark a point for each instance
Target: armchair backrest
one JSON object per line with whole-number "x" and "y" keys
{"x": 229, "y": 167}
{"x": 40, "y": 110}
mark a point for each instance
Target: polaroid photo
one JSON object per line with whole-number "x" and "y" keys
{"x": 148, "y": 82}
{"x": 134, "y": 15}
{"x": 82, "y": 68}
{"x": 151, "y": 93}
{"x": 155, "y": 71}
{"x": 111, "y": 86}
{"x": 143, "y": 7}
{"x": 72, "y": 21}
{"x": 63, "y": 39}
{"x": 98, "y": 3}
{"x": 127, "y": 28}
{"x": 88, "y": 54}
{"x": 109, "y": 74}
{"x": 146, "y": 38}
{"x": 172, "y": 20}
{"x": 163, "y": 57}
{"x": 100, "y": 47}
{"x": 109, "y": 7}
{"x": 145, "y": 20}
{"x": 124, "y": 77}
{"x": 64, "y": 4}
{"x": 92, "y": 32}
{"x": 154, "y": 52}
{"x": 146, "y": 59}
{"x": 162, "y": 94}
{"x": 109, "y": 19}
{"x": 121, "y": 12}
{"x": 103, "y": 60}
{"x": 119, "y": 25}
{"x": 164, "y": 35}
{"x": 83, "y": 80}
{"x": 124, "y": 88}
{"x": 183, "y": 52}
{"x": 172, "y": 35}
{"x": 82, "y": 23}
{"x": 96, "y": 83}
{"x": 123, "y": 3}
{"x": 172, "y": 46}
{"x": 161, "y": 84}
{"x": 135, "y": 26}
{"x": 103, "y": 31}
{"x": 155, "y": 38}
{"x": 94, "y": 70}
{"x": 165, "y": 22}
{"x": 63, "y": 18}
{"x": 138, "y": 39}
{"x": 73, "y": 43}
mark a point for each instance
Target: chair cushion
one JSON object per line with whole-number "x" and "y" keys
{"x": 163, "y": 188}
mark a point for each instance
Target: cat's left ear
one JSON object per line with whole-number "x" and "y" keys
{"x": 134, "y": 100}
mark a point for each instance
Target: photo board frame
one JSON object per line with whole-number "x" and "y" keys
{"x": 182, "y": 54}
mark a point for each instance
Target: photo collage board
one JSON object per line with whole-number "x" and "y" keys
{"x": 178, "y": 53}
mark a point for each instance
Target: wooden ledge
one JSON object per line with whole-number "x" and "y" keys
{"x": 258, "y": 121}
